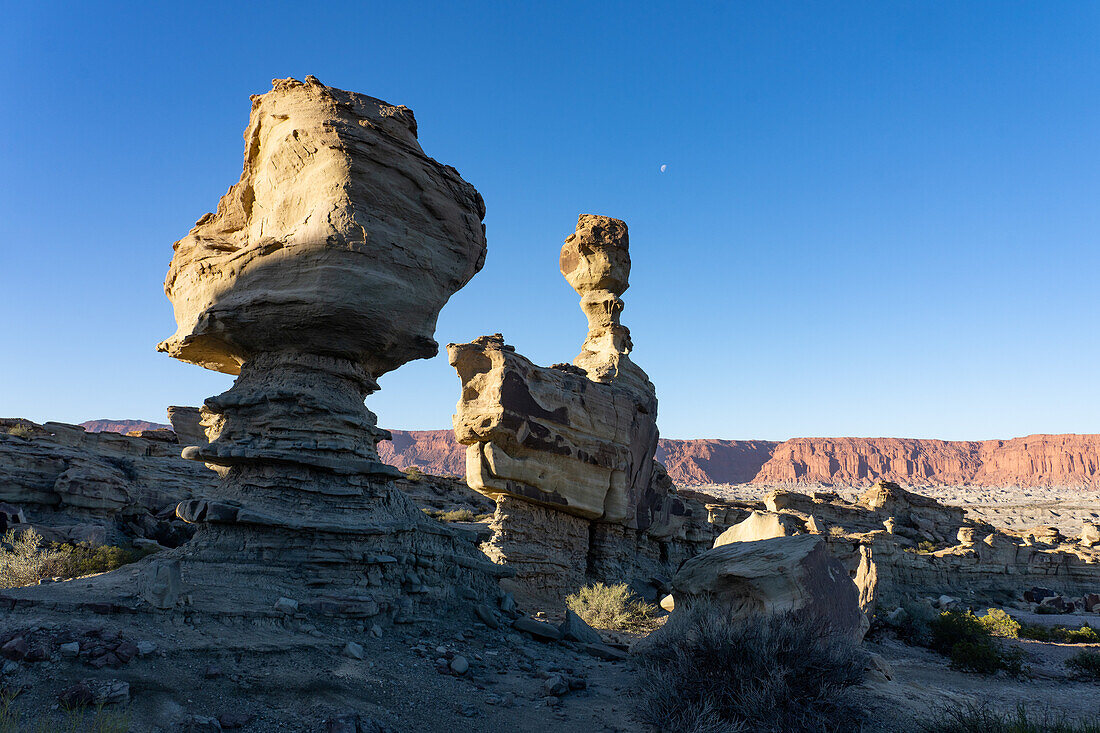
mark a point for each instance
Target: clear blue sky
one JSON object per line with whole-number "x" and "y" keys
{"x": 878, "y": 218}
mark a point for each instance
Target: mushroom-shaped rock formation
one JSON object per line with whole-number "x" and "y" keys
{"x": 567, "y": 451}
{"x": 323, "y": 268}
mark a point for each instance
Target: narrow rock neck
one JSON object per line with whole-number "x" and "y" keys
{"x": 288, "y": 407}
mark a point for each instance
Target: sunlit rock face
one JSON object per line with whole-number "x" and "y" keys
{"x": 577, "y": 439}
{"x": 322, "y": 269}
{"x": 341, "y": 239}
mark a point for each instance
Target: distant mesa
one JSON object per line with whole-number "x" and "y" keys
{"x": 122, "y": 426}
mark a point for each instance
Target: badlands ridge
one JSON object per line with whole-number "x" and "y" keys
{"x": 1062, "y": 461}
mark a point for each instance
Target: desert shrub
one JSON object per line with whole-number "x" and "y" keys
{"x": 970, "y": 646}
{"x": 1047, "y": 610}
{"x": 611, "y": 607}
{"x": 412, "y": 473}
{"x": 915, "y": 626}
{"x": 1060, "y": 634}
{"x": 926, "y": 547}
{"x": 456, "y": 515}
{"x": 706, "y": 672}
{"x": 999, "y": 623}
{"x": 1085, "y": 663}
{"x": 981, "y": 719}
{"x": 19, "y": 431}
{"x": 25, "y": 559}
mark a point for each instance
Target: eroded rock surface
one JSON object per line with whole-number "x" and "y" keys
{"x": 575, "y": 439}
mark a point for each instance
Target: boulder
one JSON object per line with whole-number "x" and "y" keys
{"x": 573, "y": 628}
{"x": 761, "y": 526}
{"x": 538, "y": 629}
{"x": 775, "y": 575}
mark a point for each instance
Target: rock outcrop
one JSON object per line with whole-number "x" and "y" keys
{"x": 896, "y": 544}
{"x": 323, "y": 268}
{"x": 776, "y": 575}
{"x": 75, "y": 485}
{"x": 567, "y": 450}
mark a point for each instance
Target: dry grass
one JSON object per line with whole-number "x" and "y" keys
{"x": 980, "y": 719}
{"x": 94, "y": 720}
{"x": 457, "y": 515}
{"x": 706, "y": 672}
{"x": 20, "y": 431}
{"x": 613, "y": 607}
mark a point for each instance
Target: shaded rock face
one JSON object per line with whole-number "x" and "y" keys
{"x": 75, "y": 485}
{"x": 575, "y": 439}
{"x": 323, "y": 268}
{"x": 775, "y": 575}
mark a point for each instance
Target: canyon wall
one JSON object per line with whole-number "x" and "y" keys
{"x": 1072, "y": 461}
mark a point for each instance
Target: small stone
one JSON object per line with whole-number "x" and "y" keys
{"x": 555, "y": 685}
{"x": 145, "y": 648}
{"x": 354, "y": 650}
{"x": 212, "y": 672}
{"x": 538, "y": 629}
{"x": 486, "y": 616}
{"x": 575, "y": 629}
{"x": 376, "y": 631}
{"x": 16, "y": 649}
{"x": 70, "y": 649}
{"x": 508, "y": 604}
{"x": 459, "y": 665}
{"x": 605, "y": 652}
{"x": 286, "y": 605}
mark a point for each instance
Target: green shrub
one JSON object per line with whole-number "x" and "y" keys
{"x": 412, "y": 473}
{"x": 25, "y": 560}
{"x": 999, "y": 623}
{"x": 706, "y": 672}
{"x": 1060, "y": 634}
{"x": 970, "y": 646}
{"x": 980, "y": 719}
{"x": 1085, "y": 663}
{"x": 611, "y": 607}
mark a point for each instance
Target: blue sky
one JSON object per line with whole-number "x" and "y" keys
{"x": 878, "y": 219}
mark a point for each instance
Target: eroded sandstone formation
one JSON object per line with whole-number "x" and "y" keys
{"x": 567, "y": 451}
{"x": 324, "y": 268}
{"x": 913, "y": 546}
{"x": 77, "y": 486}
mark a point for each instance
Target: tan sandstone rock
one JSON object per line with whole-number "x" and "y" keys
{"x": 775, "y": 575}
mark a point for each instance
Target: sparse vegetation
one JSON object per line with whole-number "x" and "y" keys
{"x": 412, "y": 473}
{"x": 1060, "y": 634}
{"x": 20, "y": 431}
{"x": 612, "y": 607}
{"x": 962, "y": 637}
{"x": 1085, "y": 663}
{"x": 25, "y": 559}
{"x": 94, "y": 720}
{"x": 980, "y": 719}
{"x": 998, "y": 623}
{"x": 457, "y": 515}
{"x": 705, "y": 672}
{"x": 926, "y": 547}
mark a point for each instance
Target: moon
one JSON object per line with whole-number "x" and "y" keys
{"x": 664, "y": 167}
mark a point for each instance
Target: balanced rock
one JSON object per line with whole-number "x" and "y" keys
{"x": 322, "y": 269}
{"x": 775, "y": 575}
{"x": 567, "y": 451}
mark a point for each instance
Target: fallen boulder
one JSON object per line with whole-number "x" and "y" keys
{"x": 774, "y": 576}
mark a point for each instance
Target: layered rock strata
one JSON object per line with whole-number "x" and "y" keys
{"x": 78, "y": 486}
{"x": 323, "y": 268}
{"x": 570, "y": 446}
